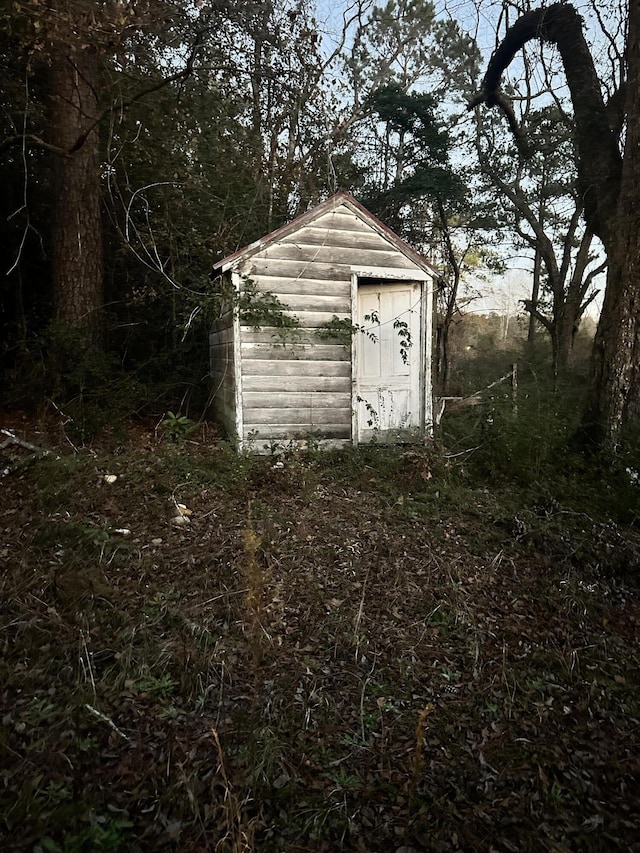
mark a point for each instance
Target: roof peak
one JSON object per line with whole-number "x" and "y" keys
{"x": 331, "y": 203}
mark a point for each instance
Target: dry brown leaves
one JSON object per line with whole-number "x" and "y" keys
{"x": 364, "y": 670}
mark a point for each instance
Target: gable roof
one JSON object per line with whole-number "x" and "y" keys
{"x": 341, "y": 198}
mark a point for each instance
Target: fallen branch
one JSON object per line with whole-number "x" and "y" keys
{"x": 471, "y": 400}
{"x": 38, "y": 452}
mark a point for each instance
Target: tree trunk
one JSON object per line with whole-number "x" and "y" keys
{"x": 77, "y": 252}
{"x": 535, "y": 292}
{"x": 566, "y": 335}
{"x": 443, "y": 360}
{"x": 615, "y": 397}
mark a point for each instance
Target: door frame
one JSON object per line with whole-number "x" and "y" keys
{"x": 395, "y": 275}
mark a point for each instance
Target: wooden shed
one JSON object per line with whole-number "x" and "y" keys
{"x": 327, "y": 335}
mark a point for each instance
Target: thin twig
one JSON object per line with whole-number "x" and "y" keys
{"x": 107, "y": 720}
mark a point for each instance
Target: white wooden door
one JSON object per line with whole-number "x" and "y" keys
{"x": 388, "y": 359}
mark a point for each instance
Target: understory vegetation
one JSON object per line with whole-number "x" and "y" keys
{"x": 408, "y": 648}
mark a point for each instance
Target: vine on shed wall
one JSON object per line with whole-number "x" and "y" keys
{"x": 263, "y": 309}
{"x": 343, "y": 331}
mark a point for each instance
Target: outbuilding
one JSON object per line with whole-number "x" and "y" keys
{"x": 327, "y": 333}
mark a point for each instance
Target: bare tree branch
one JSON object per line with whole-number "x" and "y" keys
{"x": 599, "y": 159}
{"x": 532, "y": 309}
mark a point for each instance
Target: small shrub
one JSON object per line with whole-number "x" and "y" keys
{"x": 177, "y": 427}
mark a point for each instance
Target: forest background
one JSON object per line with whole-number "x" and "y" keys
{"x": 143, "y": 141}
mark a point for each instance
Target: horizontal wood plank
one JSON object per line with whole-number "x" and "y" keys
{"x": 223, "y": 325}
{"x": 258, "y": 266}
{"x": 224, "y": 409}
{"x": 308, "y": 301}
{"x": 281, "y": 384}
{"x": 303, "y": 417}
{"x": 284, "y": 432}
{"x": 257, "y": 367}
{"x": 306, "y": 338}
{"x": 296, "y": 352}
{"x": 308, "y": 401}
{"x": 341, "y": 220}
{"x": 222, "y": 356}
{"x": 383, "y": 256}
{"x": 287, "y": 268}
{"x": 285, "y": 286}
{"x": 312, "y": 237}
{"x": 262, "y": 446}
{"x": 225, "y": 412}
{"x": 221, "y": 337}
{"x": 306, "y": 320}
{"x": 225, "y": 392}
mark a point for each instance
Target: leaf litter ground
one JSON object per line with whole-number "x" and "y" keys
{"x": 350, "y": 651}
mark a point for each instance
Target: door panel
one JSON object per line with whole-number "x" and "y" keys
{"x": 388, "y": 378}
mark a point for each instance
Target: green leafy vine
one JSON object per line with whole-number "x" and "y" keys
{"x": 373, "y": 421}
{"x": 263, "y": 309}
{"x": 404, "y": 333}
{"x": 344, "y": 330}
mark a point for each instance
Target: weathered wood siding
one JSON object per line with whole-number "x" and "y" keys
{"x": 223, "y": 378}
{"x": 305, "y": 385}
{"x": 290, "y": 383}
